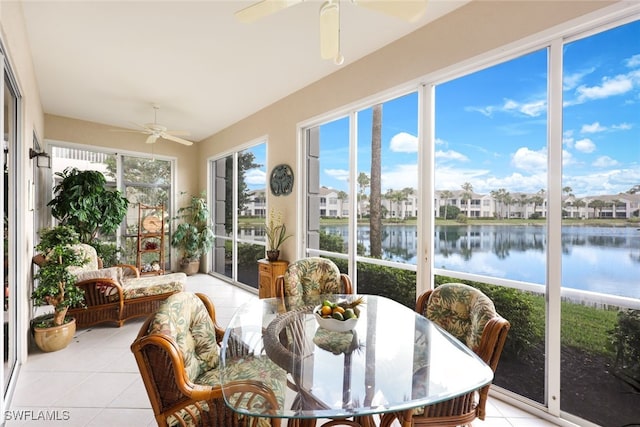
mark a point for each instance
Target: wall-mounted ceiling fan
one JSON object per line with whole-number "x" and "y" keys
{"x": 409, "y": 10}
{"x": 155, "y": 131}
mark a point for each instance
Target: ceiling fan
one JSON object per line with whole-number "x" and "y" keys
{"x": 155, "y": 131}
{"x": 408, "y": 10}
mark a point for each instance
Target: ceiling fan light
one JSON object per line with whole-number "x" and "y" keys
{"x": 329, "y": 30}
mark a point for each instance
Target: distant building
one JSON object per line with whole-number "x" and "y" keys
{"x": 335, "y": 204}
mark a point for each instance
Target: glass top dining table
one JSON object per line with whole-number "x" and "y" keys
{"x": 393, "y": 360}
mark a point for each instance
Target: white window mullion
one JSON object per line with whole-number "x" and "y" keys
{"x": 426, "y": 190}
{"x": 554, "y": 226}
{"x": 353, "y": 196}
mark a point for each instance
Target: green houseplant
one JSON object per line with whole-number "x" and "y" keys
{"x": 276, "y": 233}
{"x": 83, "y": 202}
{"x": 193, "y": 236}
{"x": 56, "y": 285}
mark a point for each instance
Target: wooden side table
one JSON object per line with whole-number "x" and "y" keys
{"x": 267, "y": 273}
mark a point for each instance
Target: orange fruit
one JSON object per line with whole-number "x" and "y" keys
{"x": 326, "y": 310}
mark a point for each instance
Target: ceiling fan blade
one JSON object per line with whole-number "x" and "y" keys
{"x": 263, "y": 8}
{"x": 178, "y": 132}
{"x": 152, "y": 138}
{"x": 176, "y": 139}
{"x": 330, "y": 29}
{"x": 409, "y": 10}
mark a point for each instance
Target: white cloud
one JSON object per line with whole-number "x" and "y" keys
{"x": 255, "y": 177}
{"x": 592, "y": 128}
{"x": 485, "y": 111}
{"x": 611, "y": 181}
{"x": 617, "y": 85}
{"x": 622, "y": 126}
{"x": 585, "y": 145}
{"x": 567, "y": 138}
{"x": 534, "y": 109}
{"x": 633, "y": 62}
{"x": 529, "y": 160}
{"x": 404, "y": 142}
{"x": 399, "y": 177}
{"x": 567, "y": 158}
{"x": 571, "y": 81}
{"x": 605, "y": 162}
{"x": 531, "y": 109}
{"x": 440, "y": 141}
{"x": 339, "y": 174}
{"x": 451, "y": 155}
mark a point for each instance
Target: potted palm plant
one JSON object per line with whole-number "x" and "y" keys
{"x": 276, "y": 233}
{"x": 56, "y": 287}
{"x": 193, "y": 236}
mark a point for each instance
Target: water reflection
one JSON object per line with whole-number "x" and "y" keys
{"x": 599, "y": 259}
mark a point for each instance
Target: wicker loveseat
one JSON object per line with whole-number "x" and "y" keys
{"x": 116, "y": 294}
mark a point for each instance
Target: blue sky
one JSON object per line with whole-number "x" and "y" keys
{"x": 491, "y": 126}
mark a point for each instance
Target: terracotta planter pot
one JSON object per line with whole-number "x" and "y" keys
{"x": 54, "y": 338}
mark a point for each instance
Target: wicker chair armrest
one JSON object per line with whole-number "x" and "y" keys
{"x": 100, "y": 291}
{"x": 347, "y": 287}
{"x": 421, "y": 303}
{"x": 279, "y": 286}
{"x": 129, "y": 270}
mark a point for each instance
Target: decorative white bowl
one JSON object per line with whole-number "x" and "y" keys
{"x": 335, "y": 325}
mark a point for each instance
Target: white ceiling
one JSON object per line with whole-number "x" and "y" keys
{"x": 109, "y": 61}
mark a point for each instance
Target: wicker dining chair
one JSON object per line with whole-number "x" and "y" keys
{"x": 470, "y": 316}
{"x": 312, "y": 276}
{"x": 177, "y": 352}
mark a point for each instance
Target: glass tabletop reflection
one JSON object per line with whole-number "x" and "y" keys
{"x": 394, "y": 359}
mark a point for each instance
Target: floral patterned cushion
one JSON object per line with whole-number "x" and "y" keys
{"x": 184, "y": 317}
{"x": 461, "y": 310}
{"x": 312, "y": 276}
{"x": 153, "y": 285}
{"x": 89, "y": 253}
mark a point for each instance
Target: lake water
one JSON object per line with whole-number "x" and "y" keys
{"x": 598, "y": 259}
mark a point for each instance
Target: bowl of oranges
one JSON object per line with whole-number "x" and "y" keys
{"x": 339, "y": 316}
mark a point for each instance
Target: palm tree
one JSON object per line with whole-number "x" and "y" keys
{"x": 342, "y": 196}
{"x": 597, "y": 206}
{"x": 363, "y": 183}
{"x": 614, "y": 204}
{"x": 579, "y": 203}
{"x": 375, "y": 205}
{"x": 446, "y": 195}
{"x": 467, "y": 195}
{"x": 538, "y": 199}
{"x": 523, "y": 202}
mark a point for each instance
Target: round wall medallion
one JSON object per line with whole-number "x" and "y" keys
{"x": 281, "y": 181}
{"x": 152, "y": 224}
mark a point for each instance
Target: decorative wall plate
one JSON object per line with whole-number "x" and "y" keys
{"x": 281, "y": 181}
{"x": 152, "y": 224}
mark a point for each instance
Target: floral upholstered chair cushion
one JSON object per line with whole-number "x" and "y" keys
{"x": 184, "y": 317}
{"x": 312, "y": 276}
{"x": 153, "y": 285}
{"x": 90, "y": 255}
{"x": 461, "y": 310}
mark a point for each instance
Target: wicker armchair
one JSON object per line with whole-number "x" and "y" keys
{"x": 470, "y": 316}
{"x": 312, "y": 276}
{"x": 177, "y": 352}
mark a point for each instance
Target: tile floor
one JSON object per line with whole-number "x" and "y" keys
{"x": 95, "y": 381}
